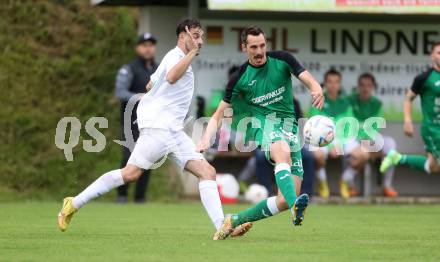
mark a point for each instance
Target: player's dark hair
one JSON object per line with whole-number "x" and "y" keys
{"x": 188, "y": 22}
{"x": 332, "y": 72}
{"x": 367, "y": 76}
{"x": 434, "y": 45}
{"x": 251, "y": 30}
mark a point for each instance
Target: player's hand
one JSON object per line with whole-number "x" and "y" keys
{"x": 408, "y": 128}
{"x": 203, "y": 145}
{"x": 317, "y": 98}
{"x": 195, "y": 46}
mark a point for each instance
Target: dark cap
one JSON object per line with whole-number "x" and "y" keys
{"x": 146, "y": 37}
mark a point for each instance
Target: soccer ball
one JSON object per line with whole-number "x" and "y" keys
{"x": 319, "y": 131}
{"x": 256, "y": 193}
{"x": 228, "y": 188}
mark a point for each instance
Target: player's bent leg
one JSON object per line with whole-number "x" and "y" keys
{"x": 209, "y": 195}
{"x": 388, "y": 189}
{"x": 433, "y": 165}
{"x": 320, "y": 157}
{"x": 418, "y": 162}
{"x": 101, "y": 186}
{"x": 280, "y": 154}
{"x": 265, "y": 209}
{"x": 358, "y": 158}
{"x": 201, "y": 169}
{"x": 355, "y": 161}
{"x": 347, "y": 188}
{"x": 281, "y": 203}
{"x": 320, "y": 160}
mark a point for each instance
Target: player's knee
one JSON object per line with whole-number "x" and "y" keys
{"x": 209, "y": 173}
{"x": 358, "y": 159}
{"x": 280, "y": 152}
{"x": 357, "y": 164}
{"x": 131, "y": 173}
{"x": 319, "y": 159}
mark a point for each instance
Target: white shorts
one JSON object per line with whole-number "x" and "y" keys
{"x": 155, "y": 145}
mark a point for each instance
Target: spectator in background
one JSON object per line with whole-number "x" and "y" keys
{"x": 366, "y": 105}
{"x": 337, "y": 106}
{"x": 132, "y": 79}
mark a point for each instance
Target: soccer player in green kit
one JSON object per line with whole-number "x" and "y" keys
{"x": 264, "y": 84}
{"x": 427, "y": 85}
{"x": 365, "y": 105}
{"x": 337, "y": 107}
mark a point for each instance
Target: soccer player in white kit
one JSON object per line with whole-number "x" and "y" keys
{"x": 160, "y": 117}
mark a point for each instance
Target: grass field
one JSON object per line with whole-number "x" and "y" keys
{"x": 182, "y": 232}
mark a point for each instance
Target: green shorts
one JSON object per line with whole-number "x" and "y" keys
{"x": 431, "y": 138}
{"x": 266, "y": 137}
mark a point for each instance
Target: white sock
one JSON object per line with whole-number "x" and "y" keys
{"x": 348, "y": 175}
{"x": 101, "y": 186}
{"x": 321, "y": 174}
{"x": 388, "y": 177}
{"x": 211, "y": 201}
{"x": 388, "y": 144}
{"x": 272, "y": 205}
{"x": 427, "y": 168}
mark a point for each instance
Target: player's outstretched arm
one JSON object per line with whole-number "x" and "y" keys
{"x": 177, "y": 71}
{"x": 213, "y": 125}
{"x": 408, "y": 127}
{"x": 314, "y": 88}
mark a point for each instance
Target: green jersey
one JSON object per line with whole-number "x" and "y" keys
{"x": 265, "y": 93}
{"x": 336, "y": 109}
{"x": 427, "y": 85}
{"x": 364, "y": 109}
{"x": 266, "y": 89}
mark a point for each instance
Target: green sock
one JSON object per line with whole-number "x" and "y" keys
{"x": 285, "y": 183}
{"x": 415, "y": 161}
{"x": 254, "y": 213}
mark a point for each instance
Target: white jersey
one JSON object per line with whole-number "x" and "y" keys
{"x": 166, "y": 105}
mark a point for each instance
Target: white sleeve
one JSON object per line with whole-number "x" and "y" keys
{"x": 171, "y": 60}
{"x": 155, "y": 77}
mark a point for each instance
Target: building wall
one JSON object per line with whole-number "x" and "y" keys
{"x": 161, "y": 22}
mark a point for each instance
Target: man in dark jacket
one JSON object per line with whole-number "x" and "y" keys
{"x": 131, "y": 80}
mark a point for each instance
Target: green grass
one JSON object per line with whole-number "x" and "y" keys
{"x": 182, "y": 232}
